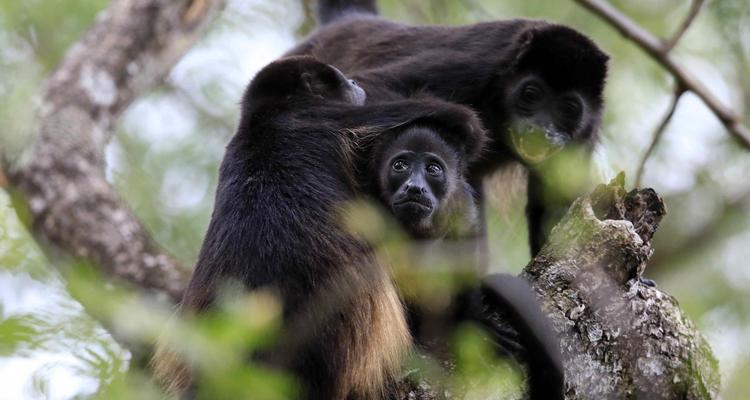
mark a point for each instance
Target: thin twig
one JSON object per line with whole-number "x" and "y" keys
{"x": 659, "y": 132}
{"x": 655, "y": 48}
{"x": 695, "y": 8}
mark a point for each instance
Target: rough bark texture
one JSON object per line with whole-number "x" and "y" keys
{"x": 620, "y": 338}
{"x": 130, "y": 48}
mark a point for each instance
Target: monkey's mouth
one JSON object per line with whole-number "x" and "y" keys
{"x": 532, "y": 143}
{"x": 411, "y": 208}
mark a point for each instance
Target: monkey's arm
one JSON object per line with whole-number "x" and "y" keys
{"x": 545, "y": 206}
{"x": 374, "y": 119}
{"x": 537, "y": 213}
{"x": 391, "y": 59}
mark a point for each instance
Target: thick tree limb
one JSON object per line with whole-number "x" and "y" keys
{"x": 659, "y": 51}
{"x": 130, "y": 48}
{"x": 620, "y": 338}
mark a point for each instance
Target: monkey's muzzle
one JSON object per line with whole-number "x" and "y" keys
{"x": 412, "y": 208}
{"x": 533, "y": 143}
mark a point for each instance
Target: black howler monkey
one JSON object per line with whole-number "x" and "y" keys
{"x": 418, "y": 174}
{"x": 420, "y": 179}
{"x": 537, "y": 86}
{"x": 284, "y": 179}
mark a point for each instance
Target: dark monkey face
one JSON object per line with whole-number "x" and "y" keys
{"x": 543, "y": 120}
{"x": 417, "y": 173}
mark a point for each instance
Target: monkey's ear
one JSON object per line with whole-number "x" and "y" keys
{"x": 314, "y": 84}
{"x": 521, "y": 44}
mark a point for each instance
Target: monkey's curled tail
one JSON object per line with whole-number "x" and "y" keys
{"x": 515, "y": 296}
{"x": 333, "y": 10}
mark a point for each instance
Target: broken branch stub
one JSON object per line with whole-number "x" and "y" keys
{"x": 619, "y": 337}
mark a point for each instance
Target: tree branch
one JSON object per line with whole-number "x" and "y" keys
{"x": 129, "y": 49}
{"x": 659, "y": 51}
{"x": 659, "y": 132}
{"x": 695, "y": 8}
{"x": 632, "y": 337}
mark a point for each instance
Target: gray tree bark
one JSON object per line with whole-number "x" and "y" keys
{"x": 620, "y": 338}
{"x": 129, "y": 49}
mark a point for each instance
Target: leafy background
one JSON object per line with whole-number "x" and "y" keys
{"x": 164, "y": 160}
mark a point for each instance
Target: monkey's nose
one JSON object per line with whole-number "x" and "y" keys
{"x": 415, "y": 189}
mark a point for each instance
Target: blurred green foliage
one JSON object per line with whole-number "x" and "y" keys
{"x": 49, "y": 26}
{"x": 165, "y": 155}
{"x": 42, "y": 324}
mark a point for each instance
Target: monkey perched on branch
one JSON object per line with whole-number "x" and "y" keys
{"x": 537, "y": 86}
{"x": 285, "y": 177}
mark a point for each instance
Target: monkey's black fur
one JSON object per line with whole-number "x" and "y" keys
{"x": 284, "y": 181}
{"x": 333, "y": 10}
{"x": 499, "y": 300}
{"x": 485, "y": 66}
{"x": 475, "y": 65}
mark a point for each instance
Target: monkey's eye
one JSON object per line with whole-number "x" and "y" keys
{"x": 353, "y": 82}
{"x": 434, "y": 169}
{"x": 531, "y": 93}
{"x": 571, "y": 109}
{"x": 400, "y": 166}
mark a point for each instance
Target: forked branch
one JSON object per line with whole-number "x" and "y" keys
{"x": 659, "y": 132}
{"x": 660, "y": 51}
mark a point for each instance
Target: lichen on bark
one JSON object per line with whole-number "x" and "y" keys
{"x": 620, "y": 337}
